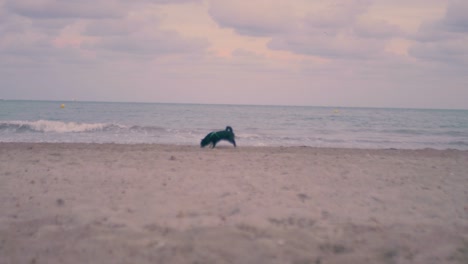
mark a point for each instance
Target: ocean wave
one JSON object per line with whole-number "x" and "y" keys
{"x": 147, "y": 129}
{"x": 52, "y": 126}
{"x": 404, "y": 131}
{"x": 458, "y": 143}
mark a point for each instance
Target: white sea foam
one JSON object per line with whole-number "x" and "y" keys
{"x": 54, "y": 126}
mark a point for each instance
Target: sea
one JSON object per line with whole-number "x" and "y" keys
{"x": 187, "y": 124}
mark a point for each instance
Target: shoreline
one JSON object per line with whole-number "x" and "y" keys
{"x": 225, "y": 145}
{"x": 147, "y": 203}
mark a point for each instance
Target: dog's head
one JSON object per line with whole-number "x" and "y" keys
{"x": 205, "y": 142}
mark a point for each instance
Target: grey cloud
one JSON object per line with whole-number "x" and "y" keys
{"x": 449, "y": 52}
{"x": 138, "y": 36}
{"x": 50, "y": 26}
{"x": 25, "y": 41}
{"x": 71, "y": 9}
{"x": 328, "y": 46}
{"x": 456, "y": 17}
{"x": 337, "y": 15}
{"x": 161, "y": 2}
{"x": 246, "y": 53}
{"x": 379, "y": 29}
{"x": 169, "y": 1}
{"x": 48, "y": 9}
{"x": 334, "y": 32}
{"x": 250, "y": 29}
{"x": 37, "y": 53}
{"x": 12, "y": 21}
{"x": 10, "y": 24}
{"x": 344, "y": 16}
{"x": 444, "y": 40}
{"x": 161, "y": 43}
{"x": 109, "y": 27}
{"x": 453, "y": 25}
{"x": 250, "y": 21}
{"x": 337, "y": 33}
{"x": 432, "y": 32}
{"x": 30, "y": 36}
{"x": 34, "y": 49}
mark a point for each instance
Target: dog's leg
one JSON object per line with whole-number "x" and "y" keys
{"x": 232, "y": 142}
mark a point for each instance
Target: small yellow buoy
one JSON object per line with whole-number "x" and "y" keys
{"x": 62, "y": 106}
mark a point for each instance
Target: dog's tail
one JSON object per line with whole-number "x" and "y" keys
{"x": 228, "y": 128}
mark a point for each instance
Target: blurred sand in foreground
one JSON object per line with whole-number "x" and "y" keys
{"x": 109, "y": 203}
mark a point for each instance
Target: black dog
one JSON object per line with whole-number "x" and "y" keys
{"x": 214, "y": 137}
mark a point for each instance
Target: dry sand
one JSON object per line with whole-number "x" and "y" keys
{"x": 108, "y": 203}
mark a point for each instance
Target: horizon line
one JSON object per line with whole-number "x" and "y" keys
{"x": 233, "y": 104}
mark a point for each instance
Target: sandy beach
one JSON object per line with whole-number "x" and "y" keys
{"x": 110, "y": 203}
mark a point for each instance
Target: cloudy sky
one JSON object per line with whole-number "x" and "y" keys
{"x": 374, "y": 53}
